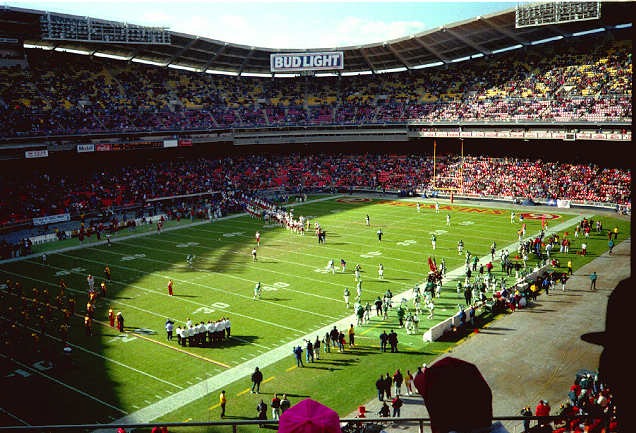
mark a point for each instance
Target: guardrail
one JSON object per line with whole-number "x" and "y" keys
{"x": 351, "y": 425}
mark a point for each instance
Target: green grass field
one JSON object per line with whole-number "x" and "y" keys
{"x": 140, "y": 374}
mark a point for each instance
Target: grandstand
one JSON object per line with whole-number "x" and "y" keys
{"x": 108, "y": 134}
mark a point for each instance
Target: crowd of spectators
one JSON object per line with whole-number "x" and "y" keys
{"x": 40, "y": 193}
{"x": 60, "y": 94}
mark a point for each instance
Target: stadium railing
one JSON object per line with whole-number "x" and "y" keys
{"x": 514, "y": 424}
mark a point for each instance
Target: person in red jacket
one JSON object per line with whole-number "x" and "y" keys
{"x": 542, "y": 410}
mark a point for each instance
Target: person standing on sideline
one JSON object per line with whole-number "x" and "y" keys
{"x": 396, "y": 404}
{"x": 261, "y": 410}
{"x": 120, "y": 322}
{"x": 398, "y": 379}
{"x": 169, "y": 329}
{"x": 526, "y": 412}
{"x": 570, "y": 271}
{"x": 107, "y": 273}
{"x": 408, "y": 380}
{"x": 222, "y": 403}
{"x": 436, "y": 207}
{"x": 542, "y": 410}
{"x": 380, "y": 235}
{"x": 275, "y": 405}
{"x": 316, "y": 349}
{"x": 346, "y": 295}
{"x": 448, "y": 220}
{"x": 258, "y": 239}
{"x": 253, "y": 254}
{"x": 284, "y": 404}
{"x": 170, "y": 287}
{"x": 298, "y": 354}
{"x": 610, "y": 245}
{"x": 257, "y": 378}
{"x": 593, "y": 279}
{"x": 367, "y": 221}
{"x": 111, "y": 317}
{"x": 352, "y": 336}
{"x": 379, "y": 385}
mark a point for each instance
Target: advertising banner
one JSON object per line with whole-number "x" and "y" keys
{"x": 297, "y": 62}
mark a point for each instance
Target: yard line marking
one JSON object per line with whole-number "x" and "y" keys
{"x": 162, "y": 294}
{"x": 203, "y": 358}
{"x": 192, "y": 282}
{"x": 150, "y": 232}
{"x": 105, "y": 358}
{"x": 233, "y": 276}
{"x": 130, "y": 306}
{"x": 65, "y": 385}
{"x": 3, "y": 410}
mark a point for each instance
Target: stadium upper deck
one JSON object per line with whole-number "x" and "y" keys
{"x": 481, "y": 36}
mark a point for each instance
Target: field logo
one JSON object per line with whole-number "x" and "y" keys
{"x": 407, "y": 242}
{"x": 133, "y": 257}
{"x": 207, "y": 310}
{"x": 371, "y": 254}
{"x": 232, "y": 234}
{"x": 354, "y": 200}
{"x": 274, "y": 287}
{"x": 540, "y": 216}
{"x": 144, "y": 331}
{"x": 64, "y": 272}
{"x": 187, "y": 244}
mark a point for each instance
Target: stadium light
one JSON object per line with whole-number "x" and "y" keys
{"x": 72, "y": 51}
{"x": 148, "y": 62}
{"x": 111, "y": 56}
{"x": 219, "y": 72}
{"x": 351, "y": 74}
{"x": 384, "y": 71}
{"x": 588, "y": 32}
{"x": 183, "y": 68}
{"x": 255, "y": 74}
{"x": 39, "y": 47}
{"x": 510, "y": 48}
{"x": 544, "y": 41}
{"x": 427, "y": 65}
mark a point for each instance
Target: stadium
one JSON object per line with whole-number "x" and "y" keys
{"x": 177, "y": 212}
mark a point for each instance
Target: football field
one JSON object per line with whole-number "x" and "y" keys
{"x": 139, "y": 376}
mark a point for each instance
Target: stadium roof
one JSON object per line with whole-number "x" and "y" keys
{"x": 476, "y": 37}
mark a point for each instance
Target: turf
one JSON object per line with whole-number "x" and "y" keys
{"x": 109, "y": 374}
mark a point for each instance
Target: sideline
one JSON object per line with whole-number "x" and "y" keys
{"x": 152, "y": 232}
